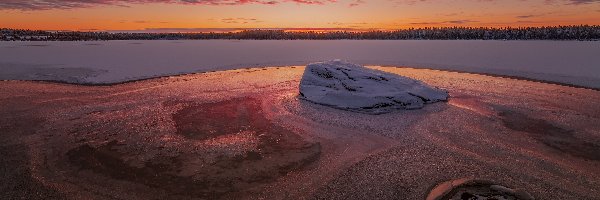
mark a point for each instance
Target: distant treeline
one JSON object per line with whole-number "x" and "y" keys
{"x": 579, "y": 32}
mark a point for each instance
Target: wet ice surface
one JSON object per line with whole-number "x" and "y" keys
{"x": 349, "y": 86}
{"x": 572, "y": 62}
{"x": 245, "y": 134}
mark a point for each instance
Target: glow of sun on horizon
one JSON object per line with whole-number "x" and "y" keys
{"x": 171, "y": 15}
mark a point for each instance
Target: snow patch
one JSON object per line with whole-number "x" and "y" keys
{"x": 571, "y": 62}
{"x": 353, "y": 87}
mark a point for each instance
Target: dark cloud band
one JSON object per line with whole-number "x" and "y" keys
{"x": 69, "y": 4}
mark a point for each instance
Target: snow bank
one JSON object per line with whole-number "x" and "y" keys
{"x": 573, "y": 62}
{"x": 353, "y": 87}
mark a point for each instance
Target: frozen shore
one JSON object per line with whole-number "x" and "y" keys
{"x": 246, "y": 134}
{"x": 571, "y": 62}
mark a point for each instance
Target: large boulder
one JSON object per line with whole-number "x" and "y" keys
{"x": 353, "y": 87}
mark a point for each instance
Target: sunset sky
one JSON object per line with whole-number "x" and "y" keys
{"x": 225, "y": 15}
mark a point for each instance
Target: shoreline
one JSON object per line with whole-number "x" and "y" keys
{"x": 521, "y": 78}
{"x": 502, "y": 40}
{"x": 514, "y": 77}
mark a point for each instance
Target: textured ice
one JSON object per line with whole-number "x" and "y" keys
{"x": 353, "y": 87}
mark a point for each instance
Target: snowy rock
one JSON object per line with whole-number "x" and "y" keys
{"x": 353, "y": 87}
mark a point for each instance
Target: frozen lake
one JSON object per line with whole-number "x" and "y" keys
{"x": 574, "y": 62}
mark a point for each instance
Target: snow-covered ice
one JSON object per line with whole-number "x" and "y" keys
{"x": 353, "y": 87}
{"x": 574, "y": 62}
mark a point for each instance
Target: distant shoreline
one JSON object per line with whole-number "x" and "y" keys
{"x": 32, "y": 41}
{"x": 575, "y": 32}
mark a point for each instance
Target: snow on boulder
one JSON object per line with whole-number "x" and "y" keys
{"x": 353, "y": 87}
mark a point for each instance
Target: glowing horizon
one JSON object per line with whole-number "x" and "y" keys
{"x": 165, "y": 15}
